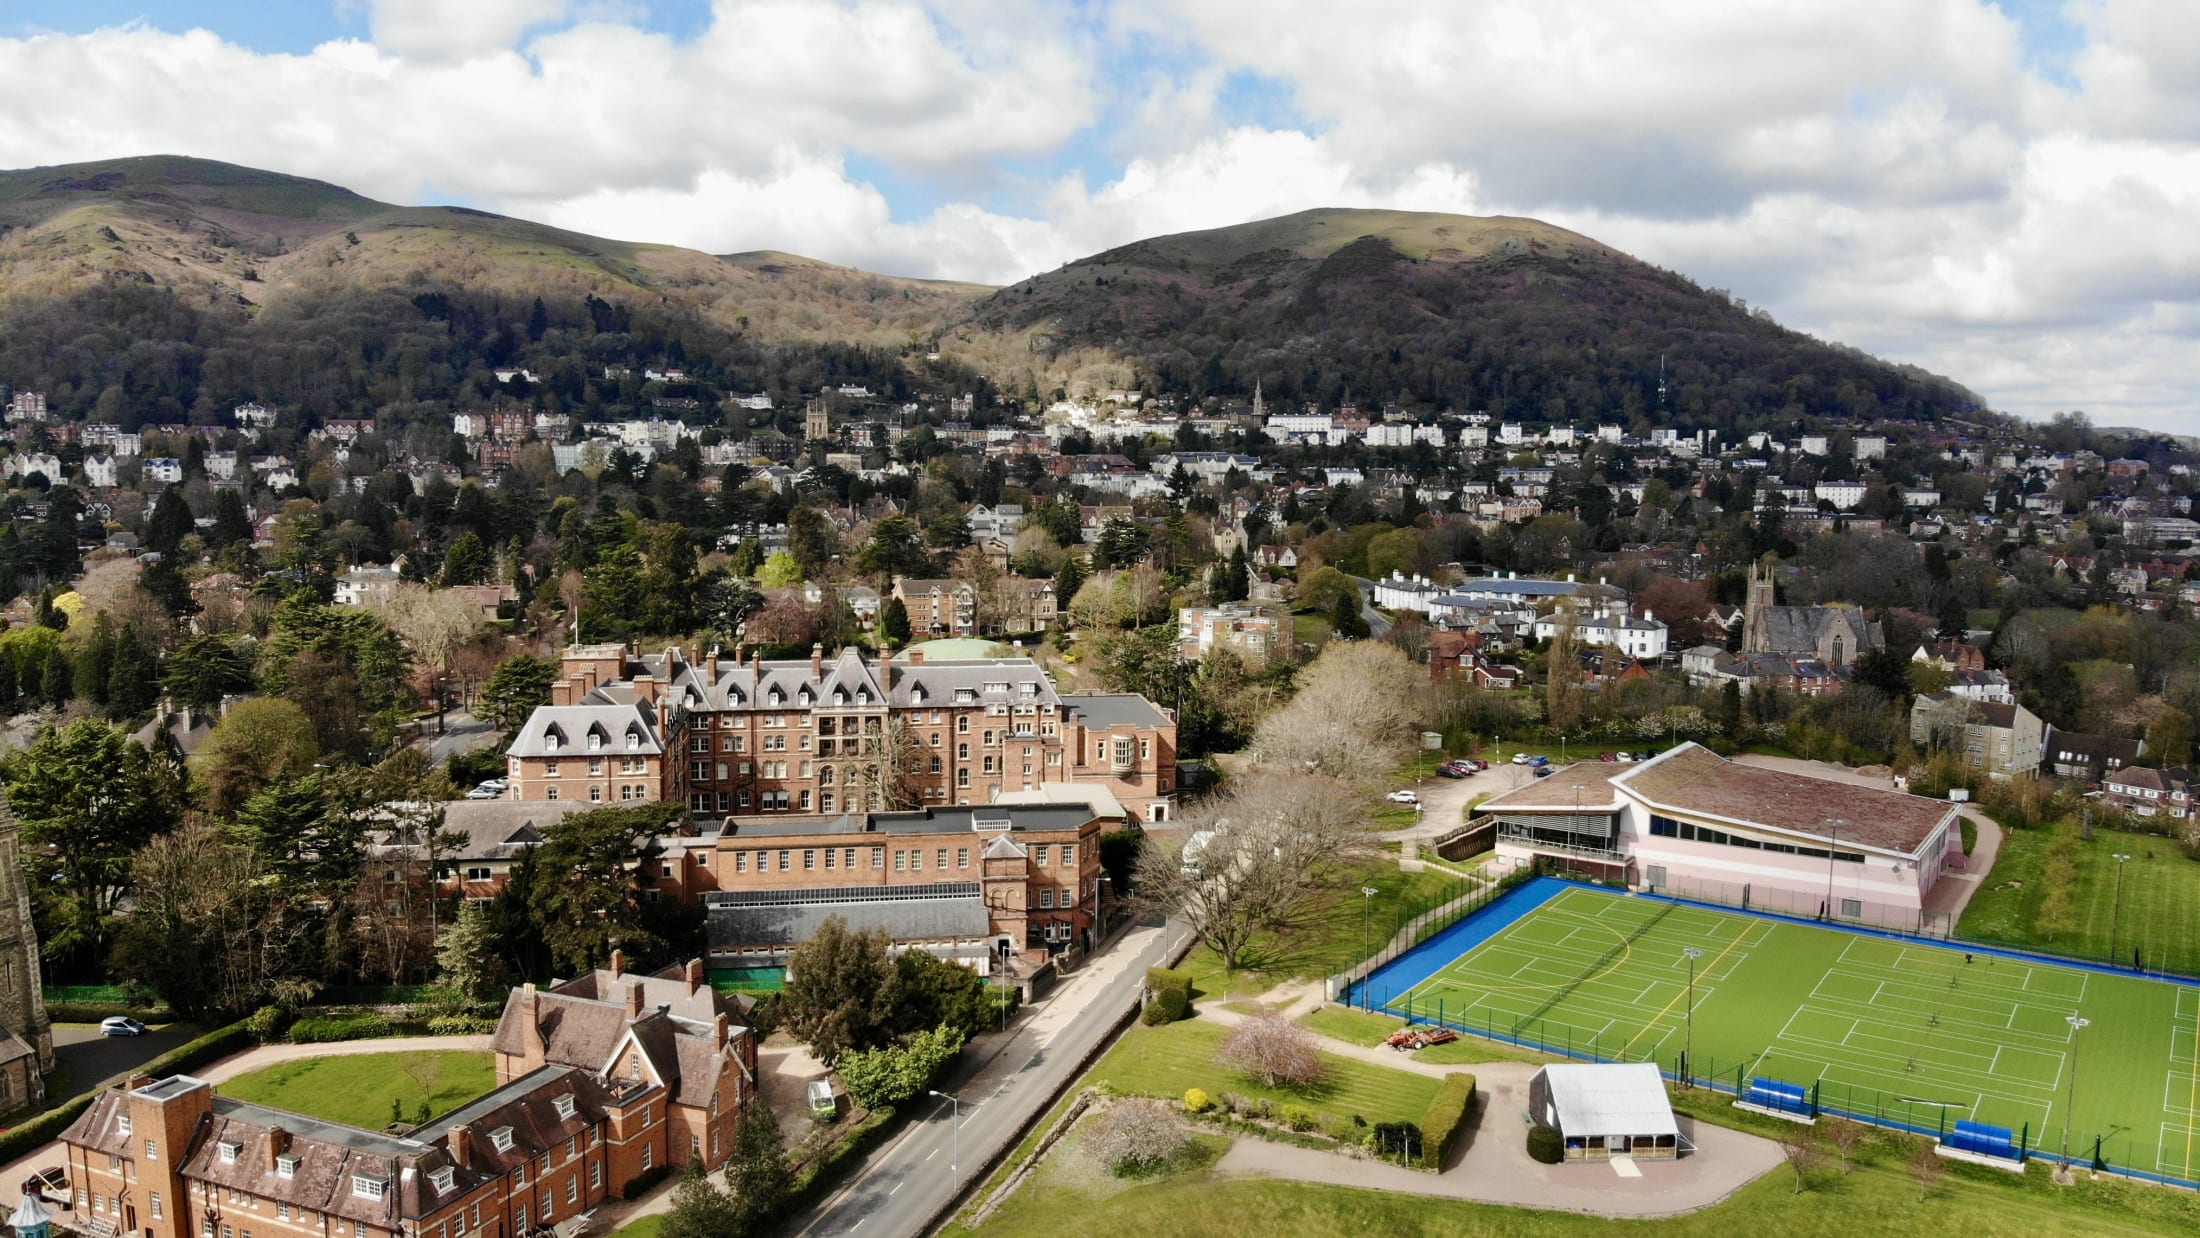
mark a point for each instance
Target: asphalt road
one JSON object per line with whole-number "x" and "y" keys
{"x": 92, "y": 1059}
{"x": 462, "y": 732}
{"x": 1377, "y": 626}
{"x": 911, "y": 1182}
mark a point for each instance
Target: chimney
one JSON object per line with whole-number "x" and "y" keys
{"x": 462, "y": 1146}
{"x": 618, "y": 964}
{"x": 645, "y": 688}
{"x": 561, "y": 692}
{"x": 278, "y": 1142}
{"x": 633, "y": 999}
{"x": 530, "y": 1011}
{"x": 756, "y": 663}
{"x": 886, "y": 669}
{"x": 710, "y": 665}
{"x": 916, "y": 657}
{"x": 136, "y": 1082}
{"x": 695, "y": 975}
{"x": 817, "y": 661}
{"x": 721, "y": 1030}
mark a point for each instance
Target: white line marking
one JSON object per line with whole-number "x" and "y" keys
{"x": 898, "y": 1185}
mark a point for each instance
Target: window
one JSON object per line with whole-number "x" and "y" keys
{"x": 916, "y": 860}
{"x": 935, "y": 765}
{"x": 549, "y": 769}
{"x": 1852, "y": 908}
{"x": 1039, "y": 854}
{"x": 501, "y": 1138}
{"x": 564, "y": 1105}
{"x": 368, "y": 1188}
{"x": 154, "y": 1200}
{"x": 783, "y": 865}
{"x": 519, "y": 1218}
{"x": 550, "y": 793}
{"x": 825, "y": 804}
{"x": 740, "y": 861}
{"x": 572, "y": 1188}
{"x": 286, "y": 1166}
{"x": 1069, "y": 855}
{"x": 595, "y": 1175}
{"x": 1046, "y": 898}
{"x": 444, "y": 1178}
{"x": 962, "y": 778}
{"x": 962, "y": 857}
{"x": 1069, "y": 895}
{"x": 901, "y": 860}
{"x": 878, "y": 857}
{"x": 229, "y": 1151}
{"x": 595, "y": 767}
{"x": 848, "y": 857}
{"x": 830, "y": 856}
{"x": 122, "y": 1124}
{"x": 152, "y": 1150}
{"x": 646, "y": 1149}
{"x": 595, "y": 795}
{"x": 943, "y": 859}
{"x": 809, "y": 858}
{"x": 547, "y": 1200}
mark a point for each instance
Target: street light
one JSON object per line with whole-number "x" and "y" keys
{"x": 2070, "y": 1102}
{"x": 1833, "y": 841}
{"x": 1688, "y": 1050}
{"x": 1367, "y": 896}
{"x": 442, "y": 697}
{"x": 2115, "y": 919}
{"x": 954, "y": 1137}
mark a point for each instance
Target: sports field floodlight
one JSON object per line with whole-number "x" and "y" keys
{"x": 1688, "y": 1049}
{"x": 1367, "y": 897}
{"x": 1833, "y": 851}
{"x": 2116, "y": 918}
{"x": 2070, "y": 1101}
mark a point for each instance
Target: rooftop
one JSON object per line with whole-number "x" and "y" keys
{"x": 1103, "y": 710}
{"x": 1592, "y": 779}
{"x": 1694, "y": 779}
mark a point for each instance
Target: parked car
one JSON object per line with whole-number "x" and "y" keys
{"x": 51, "y": 1183}
{"x": 1544, "y": 770}
{"x": 1520, "y": 758}
{"x": 1448, "y": 771}
{"x": 1626, "y": 756}
{"x": 1479, "y": 763}
{"x": 1405, "y": 797}
{"x": 1540, "y": 762}
{"x": 1644, "y": 756}
{"x": 121, "y": 1025}
{"x": 485, "y": 792}
{"x": 1606, "y": 756}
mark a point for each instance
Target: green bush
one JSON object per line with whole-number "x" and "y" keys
{"x": 1172, "y": 992}
{"x": 1446, "y": 1117}
{"x": 1298, "y": 1117}
{"x": 640, "y": 1184}
{"x": 883, "y": 1077}
{"x": 1156, "y": 1013}
{"x": 268, "y": 1024}
{"x": 461, "y": 1025}
{"x": 1196, "y": 1100}
{"x": 338, "y": 1025}
{"x": 1546, "y": 1145}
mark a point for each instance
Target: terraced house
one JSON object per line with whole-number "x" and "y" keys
{"x": 597, "y": 1086}
{"x": 740, "y": 737}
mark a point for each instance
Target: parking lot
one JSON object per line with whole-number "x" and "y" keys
{"x": 90, "y": 1059}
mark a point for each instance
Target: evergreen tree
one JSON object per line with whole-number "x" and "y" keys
{"x": 94, "y": 665}
{"x": 10, "y": 691}
{"x": 167, "y": 586}
{"x": 1237, "y": 577}
{"x": 699, "y": 1209}
{"x": 467, "y": 562}
{"x": 56, "y": 678}
{"x": 232, "y": 523}
{"x": 756, "y": 1175}
{"x": 893, "y": 622}
{"x": 169, "y": 523}
{"x": 132, "y": 678}
{"x": 538, "y": 321}
{"x": 1345, "y": 617}
{"x": 1068, "y": 579}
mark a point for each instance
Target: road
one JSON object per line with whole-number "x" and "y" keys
{"x": 462, "y": 732}
{"x": 1377, "y": 626}
{"x": 91, "y": 1058}
{"x": 911, "y": 1182}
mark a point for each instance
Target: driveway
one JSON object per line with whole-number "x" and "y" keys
{"x": 1444, "y": 800}
{"x": 91, "y": 1059}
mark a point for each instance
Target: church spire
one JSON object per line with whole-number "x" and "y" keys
{"x": 1256, "y": 399}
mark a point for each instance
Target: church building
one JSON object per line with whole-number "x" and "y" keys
{"x": 1835, "y": 635}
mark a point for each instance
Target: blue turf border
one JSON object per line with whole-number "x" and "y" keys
{"x": 1465, "y": 934}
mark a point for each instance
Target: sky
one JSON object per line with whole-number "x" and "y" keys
{"x": 2002, "y": 193}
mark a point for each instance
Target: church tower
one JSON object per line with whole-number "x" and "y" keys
{"x": 22, "y": 1000}
{"x": 1762, "y": 597}
{"x": 1259, "y": 413}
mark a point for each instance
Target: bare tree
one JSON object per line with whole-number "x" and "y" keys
{"x": 1925, "y": 1167}
{"x": 889, "y": 770}
{"x": 1353, "y": 718}
{"x": 433, "y": 623}
{"x": 1274, "y": 1050}
{"x": 1134, "y": 1133}
{"x": 1562, "y": 676}
{"x": 426, "y": 1072}
{"x": 1799, "y": 1144}
{"x": 1844, "y": 1135}
{"x": 1259, "y": 857}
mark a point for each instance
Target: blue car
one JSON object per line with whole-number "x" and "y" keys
{"x": 1539, "y": 762}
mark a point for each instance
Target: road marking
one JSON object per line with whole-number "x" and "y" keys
{"x": 929, "y": 1155}
{"x": 898, "y": 1185}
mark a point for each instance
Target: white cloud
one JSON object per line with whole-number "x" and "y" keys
{"x": 439, "y": 29}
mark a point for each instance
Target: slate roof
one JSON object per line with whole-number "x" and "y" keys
{"x": 1102, "y": 710}
{"x": 572, "y": 724}
{"x": 1798, "y": 629}
{"x": 782, "y": 918}
{"x": 1694, "y": 779}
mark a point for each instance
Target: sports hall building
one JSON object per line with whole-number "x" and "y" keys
{"x": 1692, "y": 824}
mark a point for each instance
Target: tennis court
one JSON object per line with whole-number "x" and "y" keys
{"x": 1885, "y": 1027}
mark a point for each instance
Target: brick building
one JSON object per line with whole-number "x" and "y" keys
{"x": 939, "y": 607}
{"x": 169, "y": 1159}
{"x": 738, "y": 737}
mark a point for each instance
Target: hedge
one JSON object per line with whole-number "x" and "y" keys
{"x": 640, "y": 1184}
{"x": 1445, "y": 1119}
{"x": 340, "y": 1025}
{"x": 1172, "y": 992}
{"x": 20, "y": 1140}
{"x": 820, "y": 1175}
{"x": 1546, "y": 1145}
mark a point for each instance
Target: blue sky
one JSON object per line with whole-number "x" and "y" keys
{"x": 2000, "y": 192}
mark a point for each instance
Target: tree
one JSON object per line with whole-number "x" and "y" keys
{"x": 841, "y": 990}
{"x": 1843, "y": 1134}
{"x": 232, "y": 523}
{"x": 757, "y": 1177}
{"x": 169, "y": 523}
{"x": 1353, "y": 718}
{"x": 1068, "y": 579}
{"x": 205, "y": 931}
{"x": 893, "y": 622}
{"x": 467, "y": 562}
{"x": 1236, "y": 578}
{"x": 2169, "y": 738}
{"x": 896, "y": 548}
{"x": 779, "y": 571}
{"x": 937, "y": 993}
{"x": 811, "y": 540}
{"x": 1258, "y": 858}
{"x": 516, "y": 689}
{"x": 699, "y": 1209}
{"x": 57, "y": 677}
{"x": 1799, "y": 1144}
{"x": 132, "y": 680}
{"x": 587, "y": 896}
{"x": 1322, "y": 588}
{"x": 1955, "y": 621}
{"x": 1888, "y": 670}
{"x": 204, "y": 669}
{"x": 1122, "y": 543}
{"x": 892, "y": 1073}
{"x": 256, "y": 742}
{"x": 1346, "y": 619}
{"x": 1274, "y": 1050}
{"x": 728, "y": 601}
{"x": 299, "y": 834}
{"x": 1135, "y": 1133}
{"x": 1562, "y": 677}
{"x": 1924, "y": 1166}
{"x": 431, "y": 622}
{"x": 88, "y": 799}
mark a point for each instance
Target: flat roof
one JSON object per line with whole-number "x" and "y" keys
{"x": 1694, "y": 779}
{"x": 1592, "y": 779}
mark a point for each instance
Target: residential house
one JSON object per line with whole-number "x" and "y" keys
{"x": 2089, "y": 757}
{"x": 1251, "y": 632}
{"x": 1997, "y": 738}
{"x": 367, "y": 585}
{"x": 2145, "y": 792}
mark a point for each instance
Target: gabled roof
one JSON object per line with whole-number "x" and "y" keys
{"x": 570, "y": 726}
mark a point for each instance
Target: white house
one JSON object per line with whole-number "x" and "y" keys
{"x": 99, "y": 470}
{"x": 166, "y": 470}
{"x": 1813, "y": 445}
{"x": 1844, "y": 495}
{"x": 1870, "y": 446}
{"x": 1610, "y": 628}
{"x": 1401, "y": 592}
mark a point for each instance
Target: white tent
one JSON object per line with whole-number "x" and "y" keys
{"x": 1607, "y": 1110}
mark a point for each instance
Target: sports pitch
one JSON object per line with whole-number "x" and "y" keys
{"x": 1880, "y": 1024}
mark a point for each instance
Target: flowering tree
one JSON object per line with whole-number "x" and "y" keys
{"x": 1274, "y": 1050}
{"x": 1135, "y": 1134}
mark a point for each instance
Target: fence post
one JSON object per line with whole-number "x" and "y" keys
{"x": 1814, "y": 1097}
{"x": 2098, "y": 1163}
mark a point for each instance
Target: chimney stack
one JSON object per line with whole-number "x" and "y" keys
{"x": 696, "y": 977}
{"x": 886, "y": 670}
{"x": 721, "y": 1030}
{"x": 462, "y": 1146}
{"x": 530, "y": 1009}
{"x": 756, "y": 663}
{"x": 618, "y": 963}
{"x": 710, "y": 665}
{"x": 916, "y": 656}
{"x": 817, "y": 661}
{"x": 633, "y": 999}
{"x": 278, "y": 1142}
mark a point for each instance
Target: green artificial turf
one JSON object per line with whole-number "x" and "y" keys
{"x": 2159, "y": 917}
{"x": 1167, "y": 1060}
{"x": 356, "y": 1089}
{"x": 1878, "y": 1024}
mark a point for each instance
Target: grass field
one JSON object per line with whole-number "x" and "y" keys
{"x": 1873, "y": 1020}
{"x": 1361, "y": 1027}
{"x": 357, "y": 1089}
{"x": 1165, "y": 1060}
{"x": 1328, "y": 941}
{"x": 2161, "y": 900}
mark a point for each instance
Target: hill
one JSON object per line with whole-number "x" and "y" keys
{"x": 1510, "y": 315}
{"x": 255, "y": 238}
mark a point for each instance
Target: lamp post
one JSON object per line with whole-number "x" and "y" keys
{"x": 1688, "y": 1050}
{"x": 1367, "y": 897}
{"x": 2070, "y": 1102}
{"x": 954, "y": 1137}
{"x": 2116, "y": 918}
{"x": 1833, "y": 841}
{"x": 442, "y": 697}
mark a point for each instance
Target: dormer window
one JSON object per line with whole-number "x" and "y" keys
{"x": 122, "y": 1124}
{"x": 366, "y": 1187}
{"x": 916, "y": 694}
{"x": 286, "y": 1166}
{"x": 564, "y": 1105}
{"x": 633, "y": 740}
{"x": 595, "y": 740}
{"x": 550, "y": 740}
{"x": 804, "y": 697}
{"x": 444, "y": 1179}
{"x": 778, "y": 697}
{"x": 229, "y": 1151}
{"x": 501, "y": 1139}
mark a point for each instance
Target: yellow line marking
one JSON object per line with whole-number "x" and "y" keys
{"x": 2192, "y": 1092}
{"x": 1677, "y": 997}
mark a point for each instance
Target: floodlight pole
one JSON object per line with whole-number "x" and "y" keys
{"x": 2116, "y": 918}
{"x": 2070, "y": 1101}
{"x": 1367, "y": 896}
{"x": 1688, "y": 1051}
{"x": 1833, "y": 851}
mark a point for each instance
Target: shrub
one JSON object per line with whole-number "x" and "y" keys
{"x": 640, "y": 1184}
{"x": 461, "y": 1025}
{"x": 323, "y": 1029}
{"x": 1172, "y": 991}
{"x": 878, "y": 1078}
{"x": 1197, "y": 1101}
{"x": 1546, "y": 1145}
{"x": 268, "y": 1023}
{"x": 1135, "y": 1134}
{"x": 1398, "y": 1139}
{"x": 1446, "y": 1117}
{"x": 1156, "y": 1013}
{"x": 1274, "y": 1050}
{"x": 1298, "y": 1117}
{"x": 93, "y": 1012}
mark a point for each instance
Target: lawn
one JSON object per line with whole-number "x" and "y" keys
{"x": 1362, "y": 1027}
{"x": 1878, "y": 1024}
{"x": 647, "y": 1227}
{"x": 357, "y": 1089}
{"x": 1330, "y": 940}
{"x": 2161, "y": 900}
{"x": 1166, "y": 1060}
